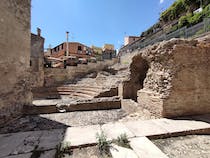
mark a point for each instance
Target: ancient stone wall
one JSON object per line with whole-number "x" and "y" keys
{"x": 14, "y": 57}
{"x": 37, "y": 60}
{"x": 178, "y": 79}
{"x": 56, "y": 75}
{"x": 138, "y": 71}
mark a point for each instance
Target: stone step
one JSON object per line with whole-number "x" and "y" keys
{"x": 79, "y": 88}
{"x": 69, "y": 106}
{"x": 144, "y": 148}
{"x": 80, "y": 96}
{"x": 121, "y": 152}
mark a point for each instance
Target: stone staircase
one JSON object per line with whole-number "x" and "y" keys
{"x": 74, "y": 92}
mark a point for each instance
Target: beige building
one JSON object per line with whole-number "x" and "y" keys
{"x": 108, "y": 47}
{"x": 96, "y": 50}
{"x": 130, "y": 39}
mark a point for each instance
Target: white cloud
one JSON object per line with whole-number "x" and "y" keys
{"x": 161, "y": 1}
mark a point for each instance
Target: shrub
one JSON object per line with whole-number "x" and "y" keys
{"x": 200, "y": 32}
{"x": 63, "y": 148}
{"x": 103, "y": 143}
{"x": 123, "y": 141}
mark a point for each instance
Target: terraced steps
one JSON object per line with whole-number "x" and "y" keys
{"x": 71, "y": 90}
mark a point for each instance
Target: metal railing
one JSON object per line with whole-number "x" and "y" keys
{"x": 183, "y": 32}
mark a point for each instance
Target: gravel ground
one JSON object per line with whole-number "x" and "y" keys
{"x": 62, "y": 120}
{"x": 88, "y": 152}
{"x": 192, "y": 146}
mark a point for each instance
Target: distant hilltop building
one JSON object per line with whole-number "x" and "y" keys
{"x": 97, "y": 51}
{"x": 108, "y": 51}
{"x": 130, "y": 39}
{"x": 108, "y": 47}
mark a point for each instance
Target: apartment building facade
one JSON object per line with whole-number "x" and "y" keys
{"x": 75, "y": 49}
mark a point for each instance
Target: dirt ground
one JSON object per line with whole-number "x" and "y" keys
{"x": 62, "y": 120}
{"x": 191, "y": 146}
{"x": 88, "y": 152}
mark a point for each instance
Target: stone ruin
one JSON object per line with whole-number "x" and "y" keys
{"x": 171, "y": 78}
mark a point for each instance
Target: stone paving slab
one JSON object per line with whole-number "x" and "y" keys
{"x": 113, "y": 130}
{"x": 9, "y": 142}
{"x": 145, "y": 128}
{"x": 144, "y": 148}
{"x": 120, "y": 152}
{"x": 177, "y": 126}
{"x": 27, "y": 142}
{"x": 79, "y": 136}
{"x": 20, "y": 156}
{"x": 18, "y": 144}
{"x": 50, "y": 139}
{"x": 48, "y": 154}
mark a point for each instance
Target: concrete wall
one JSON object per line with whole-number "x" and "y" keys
{"x": 37, "y": 60}
{"x": 14, "y": 57}
{"x": 56, "y": 75}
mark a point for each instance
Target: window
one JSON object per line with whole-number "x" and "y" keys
{"x": 79, "y": 48}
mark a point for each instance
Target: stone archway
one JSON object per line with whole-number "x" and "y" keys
{"x": 138, "y": 71}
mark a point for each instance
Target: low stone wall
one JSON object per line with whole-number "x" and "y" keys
{"x": 56, "y": 76}
{"x": 105, "y": 103}
{"x": 177, "y": 82}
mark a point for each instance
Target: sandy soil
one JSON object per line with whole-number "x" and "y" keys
{"x": 191, "y": 146}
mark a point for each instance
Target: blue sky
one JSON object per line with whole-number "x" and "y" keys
{"x": 94, "y": 22}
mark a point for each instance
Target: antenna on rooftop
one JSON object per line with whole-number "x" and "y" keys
{"x": 67, "y": 43}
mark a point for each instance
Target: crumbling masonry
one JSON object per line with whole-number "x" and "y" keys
{"x": 177, "y": 81}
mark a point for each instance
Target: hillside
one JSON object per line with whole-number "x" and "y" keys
{"x": 181, "y": 13}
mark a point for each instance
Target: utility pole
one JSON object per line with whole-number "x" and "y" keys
{"x": 67, "y": 43}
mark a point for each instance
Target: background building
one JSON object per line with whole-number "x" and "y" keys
{"x": 75, "y": 49}
{"x": 98, "y": 52}
{"x": 130, "y": 39}
{"x": 108, "y": 51}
